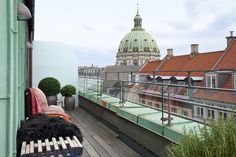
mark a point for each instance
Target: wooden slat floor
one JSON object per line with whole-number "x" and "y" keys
{"x": 99, "y": 140}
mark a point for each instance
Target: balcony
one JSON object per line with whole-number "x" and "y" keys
{"x": 99, "y": 140}
{"x": 152, "y": 114}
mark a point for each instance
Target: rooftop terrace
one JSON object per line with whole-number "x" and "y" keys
{"x": 99, "y": 140}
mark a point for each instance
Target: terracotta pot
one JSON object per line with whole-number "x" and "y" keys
{"x": 69, "y": 103}
{"x": 52, "y": 100}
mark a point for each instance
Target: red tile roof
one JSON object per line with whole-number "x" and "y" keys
{"x": 150, "y": 66}
{"x": 219, "y": 96}
{"x": 228, "y": 60}
{"x": 200, "y": 61}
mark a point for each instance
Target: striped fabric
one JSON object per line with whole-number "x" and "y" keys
{"x": 38, "y": 104}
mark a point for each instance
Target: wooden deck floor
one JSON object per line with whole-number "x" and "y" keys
{"x": 99, "y": 140}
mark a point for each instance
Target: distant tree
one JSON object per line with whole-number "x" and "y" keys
{"x": 216, "y": 140}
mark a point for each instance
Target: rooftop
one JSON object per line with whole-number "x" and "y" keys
{"x": 99, "y": 140}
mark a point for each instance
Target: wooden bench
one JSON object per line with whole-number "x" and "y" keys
{"x": 55, "y": 148}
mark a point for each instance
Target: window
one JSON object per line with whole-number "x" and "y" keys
{"x": 150, "y": 103}
{"x": 135, "y": 62}
{"x": 135, "y": 49}
{"x": 125, "y": 62}
{"x": 211, "y": 81}
{"x": 200, "y": 111}
{"x": 164, "y": 107}
{"x": 174, "y": 110}
{"x": 223, "y": 114}
{"x": 143, "y": 101}
{"x": 157, "y": 105}
{"x": 146, "y": 49}
{"x": 185, "y": 113}
{"x": 210, "y": 113}
{"x": 125, "y": 50}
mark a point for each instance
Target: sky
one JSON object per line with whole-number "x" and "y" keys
{"x": 94, "y": 28}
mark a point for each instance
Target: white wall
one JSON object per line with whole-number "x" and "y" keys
{"x": 54, "y": 59}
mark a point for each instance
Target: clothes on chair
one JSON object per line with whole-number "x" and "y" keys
{"x": 36, "y": 102}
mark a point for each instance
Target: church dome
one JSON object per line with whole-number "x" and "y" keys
{"x": 138, "y": 41}
{"x": 137, "y": 46}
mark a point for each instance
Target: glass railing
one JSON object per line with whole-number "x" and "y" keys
{"x": 174, "y": 96}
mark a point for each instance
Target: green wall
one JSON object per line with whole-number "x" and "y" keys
{"x": 13, "y": 78}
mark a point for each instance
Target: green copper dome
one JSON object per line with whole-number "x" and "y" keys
{"x": 138, "y": 40}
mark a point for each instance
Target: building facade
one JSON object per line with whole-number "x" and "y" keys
{"x": 90, "y": 72}
{"x": 137, "y": 47}
{"x": 212, "y": 70}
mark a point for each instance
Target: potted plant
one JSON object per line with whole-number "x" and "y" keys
{"x": 68, "y": 91}
{"x": 51, "y": 87}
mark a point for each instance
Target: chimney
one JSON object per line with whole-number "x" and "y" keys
{"x": 230, "y": 38}
{"x": 194, "y": 48}
{"x": 170, "y": 52}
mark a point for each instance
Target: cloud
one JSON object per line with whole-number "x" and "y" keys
{"x": 87, "y": 27}
{"x": 97, "y": 27}
{"x": 102, "y": 58}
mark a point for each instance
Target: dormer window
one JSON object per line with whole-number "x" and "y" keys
{"x": 211, "y": 81}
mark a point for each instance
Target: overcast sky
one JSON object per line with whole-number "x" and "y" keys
{"x": 94, "y": 28}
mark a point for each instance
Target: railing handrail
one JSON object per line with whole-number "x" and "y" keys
{"x": 158, "y": 93}
{"x": 175, "y": 85}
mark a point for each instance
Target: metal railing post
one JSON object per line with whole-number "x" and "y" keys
{"x": 121, "y": 93}
{"x": 168, "y": 118}
{"x": 153, "y": 76}
{"x": 84, "y": 83}
{"x": 162, "y": 104}
{"x": 131, "y": 77}
{"x": 97, "y": 85}
{"x": 169, "y": 107}
{"x": 189, "y": 84}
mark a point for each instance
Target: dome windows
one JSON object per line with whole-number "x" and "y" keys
{"x": 135, "y": 62}
{"x": 125, "y": 62}
{"x": 135, "y": 49}
{"x": 145, "y": 39}
{"x": 125, "y": 49}
{"x": 135, "y": 39}
{"x": 146, "y": 49}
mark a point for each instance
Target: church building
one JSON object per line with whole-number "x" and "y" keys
{"x": 137, "y": 47}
